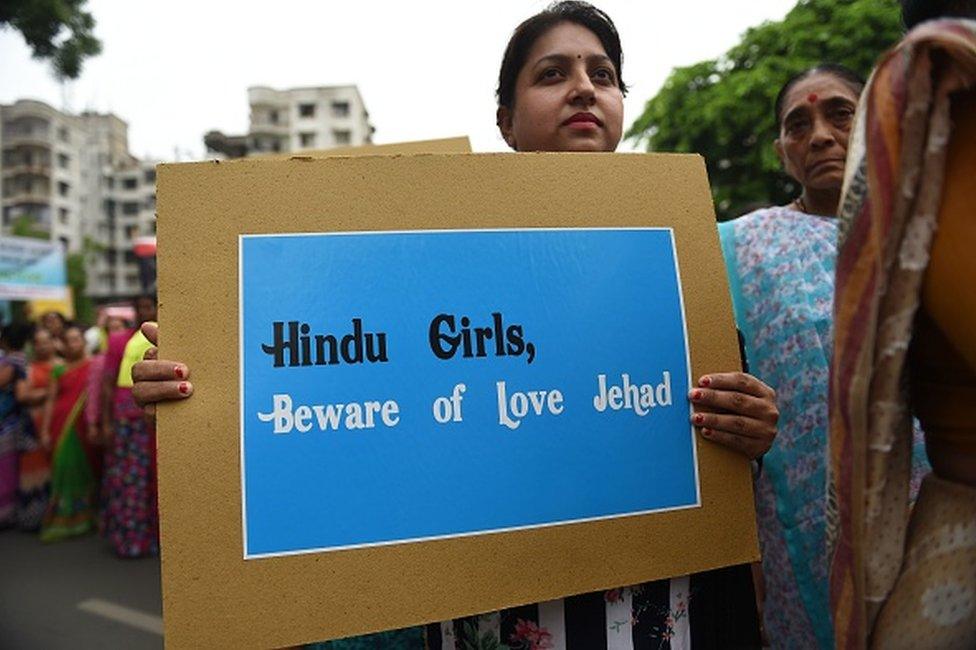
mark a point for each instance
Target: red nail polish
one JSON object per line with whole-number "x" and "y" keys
{"x": 706, "y": 381}
{"x": 184, "y": 388}
{"x": 699, "y": 418}
{"x": 696, "y": 394}
{"x": 178, "y": 371}
{"x": 706, "y": 432}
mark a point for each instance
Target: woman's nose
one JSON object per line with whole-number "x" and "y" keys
{"x": 823, "y": 134}
{"x": 583, "y": 91}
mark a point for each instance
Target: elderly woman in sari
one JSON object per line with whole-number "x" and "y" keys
{"x": 781, "y": 269}
{"x": 905, "y": 345}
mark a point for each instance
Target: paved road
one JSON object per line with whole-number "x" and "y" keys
{"x": 76, "y": 595}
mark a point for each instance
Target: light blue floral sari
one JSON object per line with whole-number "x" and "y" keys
{"x": 781, "y": 271}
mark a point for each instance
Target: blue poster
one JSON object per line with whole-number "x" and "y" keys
{"x": 31, "y": 269}
{"x": 409, "y": 386}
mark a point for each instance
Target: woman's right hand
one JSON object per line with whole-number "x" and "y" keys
{"x": 158, "y": 381}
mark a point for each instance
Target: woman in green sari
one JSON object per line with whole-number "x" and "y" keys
{"x": 71, "y": 510}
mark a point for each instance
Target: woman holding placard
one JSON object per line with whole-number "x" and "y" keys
{"x": 560, "y": 89}
{"x": 781, "y": 268}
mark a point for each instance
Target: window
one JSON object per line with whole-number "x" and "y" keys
{"x": 306, "y": 139}
{"x": 273, "y": 117}
{"x": 63, "y": 160}
{"x": 150, "y": 175}
{"x": 340, "y": 109}
{"x": 130, "y": 183}
{"x": 110, "y": 257}
{"x": 306, "y": 110}
{"x": 151, "y": 202}
{"x": 64, "y": 243}
{"x": 109, "y": 182}
{"x": 130, "y": 207}
{"x": 63, "y": 134}
{"x": 341, "y": 136}
{"x": 130, "y": 257}
{"x": 63, "y": 215}
{"x": 63, "y": 188}
{"x": 276, "y": 145}
{"x": 131, "y": 231}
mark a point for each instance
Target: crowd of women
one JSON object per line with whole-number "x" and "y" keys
{"x": 76, "y": 453}
{"x": 825, "y": 411}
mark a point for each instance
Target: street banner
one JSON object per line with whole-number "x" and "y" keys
{"x": 31, "y": 269}
{"x": 430, "y": 386}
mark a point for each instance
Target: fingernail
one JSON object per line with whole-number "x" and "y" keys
{"x": 705, "y": 381}
{"x": 185, "y": 388}
{"x": 696, "y": 394}
{"x": 707, "y": 433}
{"x": 699, "y": 418}
{"x": 179, "y": 372}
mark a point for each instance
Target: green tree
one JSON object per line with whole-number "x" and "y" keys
{"x": 723, "y": 108}
{"x": 77, "y": 277}
{"x": 57, "y": 30}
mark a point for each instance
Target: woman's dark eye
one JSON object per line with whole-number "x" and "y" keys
{"x": 843, "y": 114}
{"x": 796, "y": 127}
{"x": 551, "y": 73}
{"x": 603, "y": 74}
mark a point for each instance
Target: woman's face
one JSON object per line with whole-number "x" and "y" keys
{"x": 52, "y": 323}
{"x": 818, "y": 113}
{"x": 566, "y": 96}
{"x": 114, "y": 324}
{"x": 74, "y": 344}
{"x": 43, "y": 345}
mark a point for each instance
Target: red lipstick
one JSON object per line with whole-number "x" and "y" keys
{"x": 583, "y": 121}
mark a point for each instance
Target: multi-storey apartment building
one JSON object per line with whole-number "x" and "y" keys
{"x": 297, "y": 119}
{"x": 69, "y": 178}
{"x": 128, "y": 212}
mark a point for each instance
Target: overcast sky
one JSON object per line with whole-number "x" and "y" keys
{"x": 176, "y": 69}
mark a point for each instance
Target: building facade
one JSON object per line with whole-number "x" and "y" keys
{"x": 298, "y": 119}
{"x": 69, "y": 178}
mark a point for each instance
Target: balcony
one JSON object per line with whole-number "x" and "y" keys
{"x": 27, "y": 169}
{"x": 264, "y": 126}
{"x": 39, "y": 137}
{"x": 31, "y": 196}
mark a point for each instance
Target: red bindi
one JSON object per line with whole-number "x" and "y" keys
{"x": 812, "y": 98}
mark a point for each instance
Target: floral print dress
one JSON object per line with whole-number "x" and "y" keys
{"x": 714, "y": 609}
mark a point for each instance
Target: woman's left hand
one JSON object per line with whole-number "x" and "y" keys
{"x": 736, "y": 410}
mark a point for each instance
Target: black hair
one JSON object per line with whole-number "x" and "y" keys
{"x": 16, "y": 334}
{"x": 72, "y": 325}
{"x": 914, "y": 12}
{"x": 151, "y": 297}
{"x": 852, "y": 79}
{"x": 64, "y": 321}
{"x": 526, "y": 34}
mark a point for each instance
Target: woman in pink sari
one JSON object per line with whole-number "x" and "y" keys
{"x": 64, "y": 431}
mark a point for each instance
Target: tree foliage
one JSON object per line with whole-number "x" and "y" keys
{"x": 57, "y": 30}
{"x": 723, "y": 108}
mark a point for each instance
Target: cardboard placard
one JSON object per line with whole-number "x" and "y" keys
{"x": 374, "y": 578}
